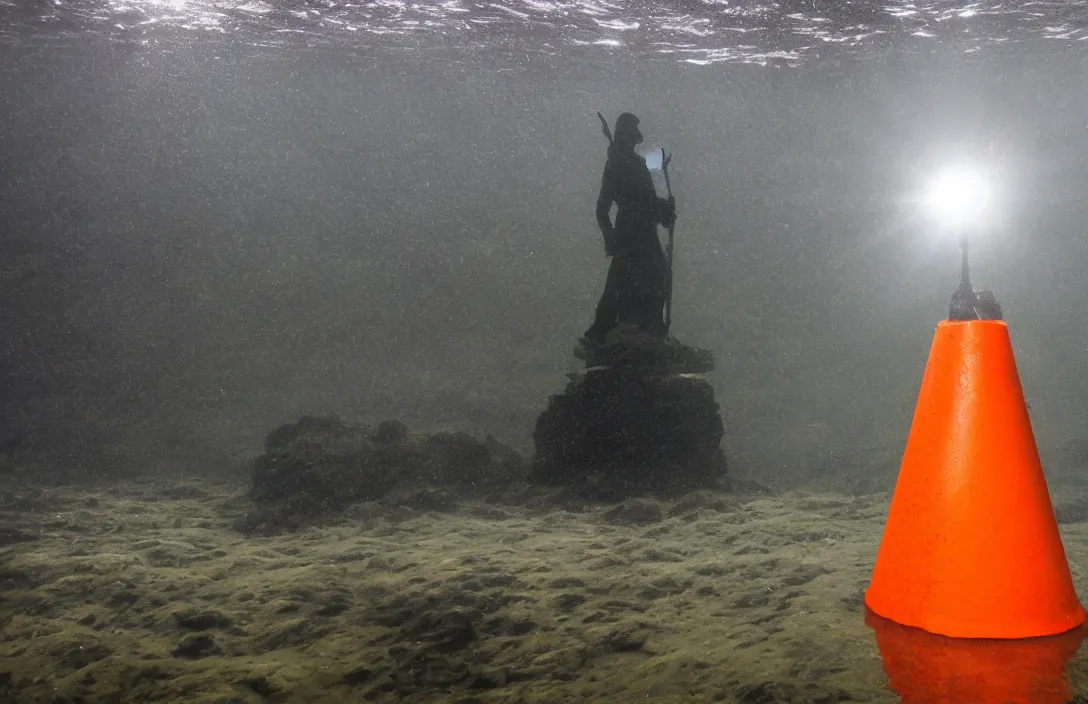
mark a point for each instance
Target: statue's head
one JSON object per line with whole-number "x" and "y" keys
{"x": 627, "y": 132}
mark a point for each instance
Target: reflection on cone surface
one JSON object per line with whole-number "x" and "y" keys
{"x": 924, "y": 668}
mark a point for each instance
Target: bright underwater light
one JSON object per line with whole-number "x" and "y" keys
{"x": 958, "y": 196}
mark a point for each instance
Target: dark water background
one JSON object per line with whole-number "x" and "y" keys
{"x": 217, "y": 216}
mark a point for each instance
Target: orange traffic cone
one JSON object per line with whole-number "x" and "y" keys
{"x": 971, "y": 547}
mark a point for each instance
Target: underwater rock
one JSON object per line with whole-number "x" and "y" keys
{"x": 635, "y": 420}
{"x": 320, "y": 465}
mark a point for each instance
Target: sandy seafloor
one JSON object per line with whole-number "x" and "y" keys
{"x": 145, "y": 592}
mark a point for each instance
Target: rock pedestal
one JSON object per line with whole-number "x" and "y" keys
{"x": 638, "y": 418}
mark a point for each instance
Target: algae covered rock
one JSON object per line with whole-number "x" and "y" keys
{"x": 617, "y": 433}
{"x": 319, "y": 465}
{"x": 639, "y": 418}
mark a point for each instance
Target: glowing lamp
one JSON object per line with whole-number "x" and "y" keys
{"x": 959, "y": 197}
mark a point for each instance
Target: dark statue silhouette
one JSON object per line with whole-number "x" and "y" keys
{"x": 635, "y": 289}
